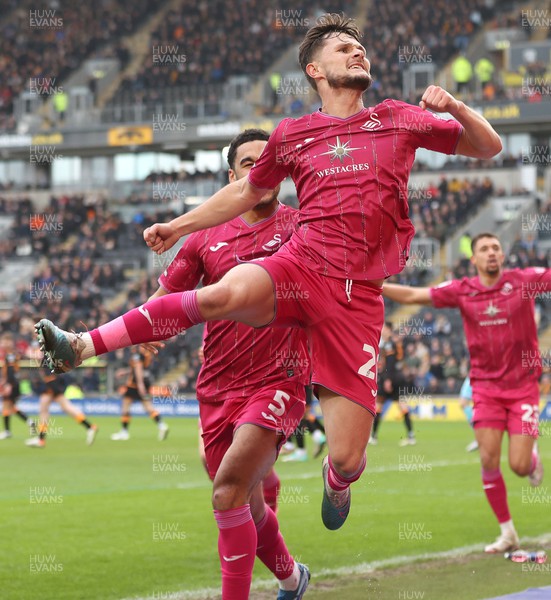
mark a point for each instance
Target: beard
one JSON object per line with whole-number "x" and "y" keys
{"x": 267, "y": 200}
{"x": 359, "y": 81}
{"x": 493, "y": 270}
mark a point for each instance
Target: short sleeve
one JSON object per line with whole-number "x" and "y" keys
{"x": 429, "y": 130}
{"x": 446, "y": 295}
{"x": 185, "y": 271}
{"x": 270, "y": 169}
{"x": 536, "y": 279}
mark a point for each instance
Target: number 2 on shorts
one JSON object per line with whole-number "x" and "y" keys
{"x": 368, "y": 369}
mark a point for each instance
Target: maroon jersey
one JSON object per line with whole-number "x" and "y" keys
{"x": 239, "y": 360}
{"x": 351, "y": 177}
{"x": 499, "y": 325}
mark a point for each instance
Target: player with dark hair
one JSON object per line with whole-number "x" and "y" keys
{"x": 497, "y": 307}
{"x": 9, "y": 385}
{"x": 138, "y": 386}
{"x": 350, "y": 165}
{"x": 250, "y": 387}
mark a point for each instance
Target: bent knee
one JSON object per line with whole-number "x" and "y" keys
{"x": 522, "y": 469}
{"x": 215, "y": 298}
{"x": 348, "y": 464}
{"x": 226, "y": 496}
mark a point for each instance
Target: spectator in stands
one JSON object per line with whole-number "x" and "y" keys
{"x": 60, "y": 102}
{"x": 465, "y": 245}
{"x": 484, "y": 71}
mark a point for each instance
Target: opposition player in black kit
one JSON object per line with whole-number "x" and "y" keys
{"x": 51, "y": 388}
{"x": 9, "y": 385}
{"x": 137, "y": 388}
{"x": 391, "y": 383}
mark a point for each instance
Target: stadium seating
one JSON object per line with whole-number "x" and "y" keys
{"x": 252, "y": 34}
{"x": 83, "y": 258}
{"x": 39, "y": 51}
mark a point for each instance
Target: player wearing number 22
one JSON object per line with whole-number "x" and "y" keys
{"x": 497, "y": 307}
{"x": 350, "y": 165}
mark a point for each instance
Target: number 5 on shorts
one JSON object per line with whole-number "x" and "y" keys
{"x": 279, "y": 397}
{"x": 368, "y": 369}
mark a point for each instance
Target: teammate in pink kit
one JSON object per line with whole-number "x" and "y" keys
{"x": 350, "y": 165}
{"x": 497, "y": 307}
{"x": 251, "y": 388}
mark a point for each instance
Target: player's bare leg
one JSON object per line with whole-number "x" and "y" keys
{"x": 9, "y": 408}
{"x": 123, "y": 435}
{"x": 524, "y": 459}
{"x": 44, "y": 402}
{"x": 270, "y": 483}
{"x": 156, "y": 417}
{"x": 247, "y": 526}
{"x": 69, "y": 408}
{"x": 373, "y": 439}
{"x": 410, "y": 439}
{"x": 489, "y": 442}
{"x": 244, "y": 294}
{"x": 347, "y": 427}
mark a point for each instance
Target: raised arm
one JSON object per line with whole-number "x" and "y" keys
{"x": 405, "y": 294}
{"x": 478, "y": 138}
{"x": 231, "y": 201}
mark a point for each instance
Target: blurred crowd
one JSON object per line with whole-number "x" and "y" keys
{"x": 89, "y": 262}
{"x": 83, "y": 253}
{"x": 434, "y": 30}
{"x": 430, "y": 357}
{"x": 48, "y": 41}
{"x": 219, "y": 39}
{"x": 186, "y": 64}
{"x": 438, "y": 361}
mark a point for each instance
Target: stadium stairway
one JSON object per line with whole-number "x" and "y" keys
{"x": 539, "y": 33}
{"x": 16, "y": 273}
{"x": 362, "y": 12}
{"x": 171, "y": 377}
{"x": 139, "y": 47}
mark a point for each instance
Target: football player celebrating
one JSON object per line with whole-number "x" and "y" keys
{"x": 350, "y": 165}
{"x": 497, "y": 307}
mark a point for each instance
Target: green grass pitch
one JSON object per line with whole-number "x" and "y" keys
{"x": 133, "y": 519}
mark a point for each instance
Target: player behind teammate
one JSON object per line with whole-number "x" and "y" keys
{"x": 391, "y": 384}
{"x": 138, "y": 387}
{"x": 9, "y": 384}
{"x": 350, "y": 165}
{"x": 51, "y": 388}
{"x": 497, "y": 307}
{"x": 466, "y": 401}
{"x": 271, "y": 484}
{"x": 250, "y": 387}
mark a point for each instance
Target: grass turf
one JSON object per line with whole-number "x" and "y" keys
{"x": 133, "y": 519}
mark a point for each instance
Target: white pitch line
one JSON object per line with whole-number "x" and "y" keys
{"x": 381, "y": 469}
{"x": 360, "y": 569}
